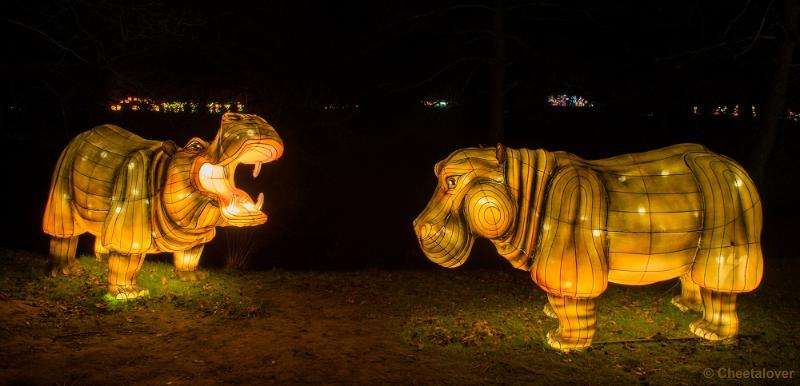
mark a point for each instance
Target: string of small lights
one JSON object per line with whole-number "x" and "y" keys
{"x": 133, "y": 103}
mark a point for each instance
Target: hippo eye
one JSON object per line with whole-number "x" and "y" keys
{"x": 194, "y": 146}
{"x": 451, "y": 182}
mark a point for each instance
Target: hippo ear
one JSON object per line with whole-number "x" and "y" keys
{"x": 169, "y": 147}
{"x": 229, "y": 117}
{"x": 500, "y": 153}
{"x": 437, "y": 168}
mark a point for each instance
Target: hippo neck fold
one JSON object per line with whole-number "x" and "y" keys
{"x": 527, "y": 173}
{"x": 182, "y": 215}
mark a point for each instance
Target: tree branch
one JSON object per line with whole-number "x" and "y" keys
{"x": 736, "y": 18}
{"x": 47, "y": 38}
{"x": 758, "y": 33}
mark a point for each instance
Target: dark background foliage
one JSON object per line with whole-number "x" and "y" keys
{"x": 352, "y": 179}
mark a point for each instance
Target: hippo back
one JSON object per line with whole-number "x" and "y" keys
{"x": 677, "y": 209}
{"x": 84, "y": 178}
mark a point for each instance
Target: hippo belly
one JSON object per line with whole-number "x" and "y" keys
{"x": 655, "y": 220}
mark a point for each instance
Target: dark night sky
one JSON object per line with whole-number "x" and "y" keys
{"x": 285, "y": 50}
{"x": 643, "y": 64}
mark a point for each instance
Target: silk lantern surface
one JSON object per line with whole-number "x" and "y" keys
{"x": 139, "y": 196}
{"x": 680, "y": 211}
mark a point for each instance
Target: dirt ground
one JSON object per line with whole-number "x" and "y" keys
{"x": 302, "y": 339}
{"x": 368, "y": 327}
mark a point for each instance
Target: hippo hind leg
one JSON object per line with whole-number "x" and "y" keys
{"x": 577, "y": 322}
{"x": 62, "y": 256}
{"x": 100, "y": 252}
{"x": 690, "y": 298}
{"x": 720, "y": 320}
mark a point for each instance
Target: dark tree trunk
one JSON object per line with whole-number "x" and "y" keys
{"x": 775, "y": 108}
{"x": 497, "y": 104}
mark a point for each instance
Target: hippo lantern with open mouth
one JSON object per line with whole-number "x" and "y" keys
{"x": 139, "y": 196}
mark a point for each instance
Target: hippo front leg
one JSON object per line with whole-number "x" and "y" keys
{"x": 62, "y": 256}
{"x": 122, "y": 270}
{"x": 577, "y": 322}
{"x": 186, "y": 263}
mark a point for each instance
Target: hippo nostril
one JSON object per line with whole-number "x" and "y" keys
{"x": 425, "y": 230}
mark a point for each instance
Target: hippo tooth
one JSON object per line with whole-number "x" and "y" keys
{"x": 232, "y": 207}
{"x": 256, "y": 169}
{"x": 260, "y": 201}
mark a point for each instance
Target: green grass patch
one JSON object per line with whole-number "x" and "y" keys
{"x": 24, "y": 276}
{"x": 495, "y": 310}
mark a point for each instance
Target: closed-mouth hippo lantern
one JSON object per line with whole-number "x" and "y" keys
{"x": 139, "y": 196}
{"x": 576, "y": 225}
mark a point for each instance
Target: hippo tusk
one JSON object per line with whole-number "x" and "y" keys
{"x": 260, "y": 201}
{"x": 256, "y": 169}
{"x": 233, "y": 206}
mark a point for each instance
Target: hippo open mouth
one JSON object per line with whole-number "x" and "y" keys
{"x": 219, "y": 179}
{"x": 241, "y": 139}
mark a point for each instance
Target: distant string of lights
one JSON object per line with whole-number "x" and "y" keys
{"x": 440, "y": 104}
{"x": 734, "y": 111}
{"x": 338, "y": 107}
{"x": 132, "y": 103}
{"x": 738, "y": 111}
{"x": 564, "y": 100}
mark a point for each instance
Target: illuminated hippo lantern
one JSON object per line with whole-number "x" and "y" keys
{"x": 139, "y": 196}
{"x": 576, "y": 225}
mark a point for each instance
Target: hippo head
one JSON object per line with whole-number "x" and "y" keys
{"x": 470, "y": 200}
{"x": 241, "y": 139}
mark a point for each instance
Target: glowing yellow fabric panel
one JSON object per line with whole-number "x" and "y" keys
{"x": 729, "y": 258}
{"x": 82, "y": 187}
{"x": 527, "y": 174}
{"x": 127, "y": 227}
{"x": 139, "y": 196}
{"x": 572, "y": 245}
{"x": 680, "y": 211}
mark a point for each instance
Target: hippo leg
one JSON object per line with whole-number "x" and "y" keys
{"x": 719, "y": 316}
{"x": 122, "y": 270}
{"x": 186, "y": 263}
{"x": 689, "y": 298}
{"x": 548, "y": 311}
{"x": 62, "y": 256}
{"x": 100, "y": 252}
{"x": 577, "y": 321}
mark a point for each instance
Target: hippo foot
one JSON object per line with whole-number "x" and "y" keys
{"x": 686, "y": 306}
{"x": 125, "y": 293}
{"x": 548, "y": 310}
{"x": 191, "y": 275}
{"x": 72, "y": 268}
{"x": 711, "y": 331}
{"x": 566, "y": 344}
